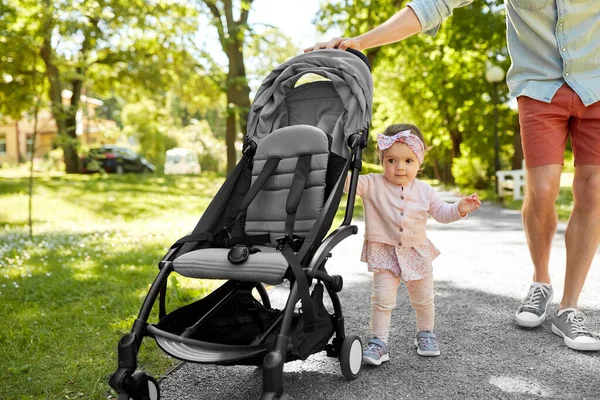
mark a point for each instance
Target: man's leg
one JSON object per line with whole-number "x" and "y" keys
{"x": 581, "y": 238}
{"x": 544, "y": 133}
{"x": 583, "y": 232}
{"x": 539, "y": 216}
{"x": 540, "y": 221}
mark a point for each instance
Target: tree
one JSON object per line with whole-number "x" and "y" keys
{"x": 241, "y": 43}
{"x": 232, "y": 33}
{"x": 75, "y": 38}
{"x": 19, "y": 61}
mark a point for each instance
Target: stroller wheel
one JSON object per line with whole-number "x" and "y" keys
{"x": 153, "y": 389}
{"x": 351, "y": 356}
{"x": 264, "y": 295}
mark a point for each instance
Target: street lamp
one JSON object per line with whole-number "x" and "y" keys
{"x": 494, "y": 75}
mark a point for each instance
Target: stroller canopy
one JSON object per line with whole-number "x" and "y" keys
{"x": 340, "y": 104}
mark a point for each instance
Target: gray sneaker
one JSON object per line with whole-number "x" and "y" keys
{"x": 532, "y": 311}
{"x": 376, "y": 352}
{"x": 570, "y": 324}
{"x": 426, "y": 343}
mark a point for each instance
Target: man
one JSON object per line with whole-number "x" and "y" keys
{"x": 555, "y": 76}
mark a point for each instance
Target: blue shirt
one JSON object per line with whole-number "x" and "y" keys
{"x": 550, "y": 42}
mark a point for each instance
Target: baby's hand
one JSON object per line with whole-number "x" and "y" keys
{"x": 468, "y": 204}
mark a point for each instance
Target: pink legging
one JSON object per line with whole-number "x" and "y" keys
{"x": 383, "y": 301}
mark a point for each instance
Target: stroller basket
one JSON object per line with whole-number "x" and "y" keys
{"x": 238, "y": 329}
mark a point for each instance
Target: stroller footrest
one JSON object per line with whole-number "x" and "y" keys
{"x": 203, "y": 352}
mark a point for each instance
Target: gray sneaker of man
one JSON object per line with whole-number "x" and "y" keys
{"x": 532, "y": 311}
{"x": 569, "y": 323}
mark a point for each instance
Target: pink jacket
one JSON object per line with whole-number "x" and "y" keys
{"x": 397, "y": 215}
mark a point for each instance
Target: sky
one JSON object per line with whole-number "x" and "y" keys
{"x": 293, "y": 17}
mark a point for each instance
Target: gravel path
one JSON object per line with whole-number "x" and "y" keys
{"x": 480, "y": 277}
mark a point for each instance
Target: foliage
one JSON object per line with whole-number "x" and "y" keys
{"x": 437, "y": 83}
{"x": 267, "y": 49}
{"x": 94, "y": 44}
{"x": 370, "y": 168}
{"x": 19, "y": 61}
{"x": 199, "y": 137}
{"x": 148, "y": 123}
{"x": 470, "y": 172}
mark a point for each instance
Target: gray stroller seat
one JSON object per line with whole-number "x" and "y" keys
{"x": 267, "y": 213}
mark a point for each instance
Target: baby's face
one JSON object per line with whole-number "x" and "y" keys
{"x": 400, "y": 164}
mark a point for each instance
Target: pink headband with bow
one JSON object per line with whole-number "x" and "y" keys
{"x": 412, "y": 141}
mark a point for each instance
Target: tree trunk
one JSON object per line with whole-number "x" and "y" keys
{"x": 63, "y": 116}
{"x": 230, "y": 134}
{"x": 517, "y": 161}
{"x": 19, "y": 155}
{"x": 238, "y": 94}
{"x": 456, "y": 138}
{"x": 436, "y": 170}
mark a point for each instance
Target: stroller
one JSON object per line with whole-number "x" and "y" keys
{"x": 268, "y": 224}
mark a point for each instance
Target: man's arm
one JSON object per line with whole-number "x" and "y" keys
{"x": 417, "y": 16}
{"x": 402, "y": 25}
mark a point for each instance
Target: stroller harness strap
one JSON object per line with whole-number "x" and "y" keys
{"x": 266, "y": 172}
{"x": 296, "y": 190}
{"x": 222, "y": 236}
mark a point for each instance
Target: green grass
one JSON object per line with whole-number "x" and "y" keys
{"x": 70, "y": 293}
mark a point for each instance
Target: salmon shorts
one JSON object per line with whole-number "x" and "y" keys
{"x": 545, "y": 128}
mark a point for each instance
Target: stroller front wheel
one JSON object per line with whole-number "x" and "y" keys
{"x": 351, "y": 357}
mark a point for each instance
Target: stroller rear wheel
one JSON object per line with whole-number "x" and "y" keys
{"x": 139, "y": 391}
{"x": 153, "y": 389}
{"x": 351, "y": 357}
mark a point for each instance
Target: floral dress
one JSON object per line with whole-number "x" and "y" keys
{"x": 407, "y": 263}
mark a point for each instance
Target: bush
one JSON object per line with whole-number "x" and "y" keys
{"x": 368, "y": 168}
{"x": 212, "y": 152}
{"x": 52, "y": 161}
{"x": 470, "y": 172}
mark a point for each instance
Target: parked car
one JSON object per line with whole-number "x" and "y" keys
{"x": 181, "y": 161}
{"x": 115, "y": 159}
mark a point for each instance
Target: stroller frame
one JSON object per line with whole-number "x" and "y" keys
{"x": 180, "y": 333}
{"x": 134, "y": 384}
